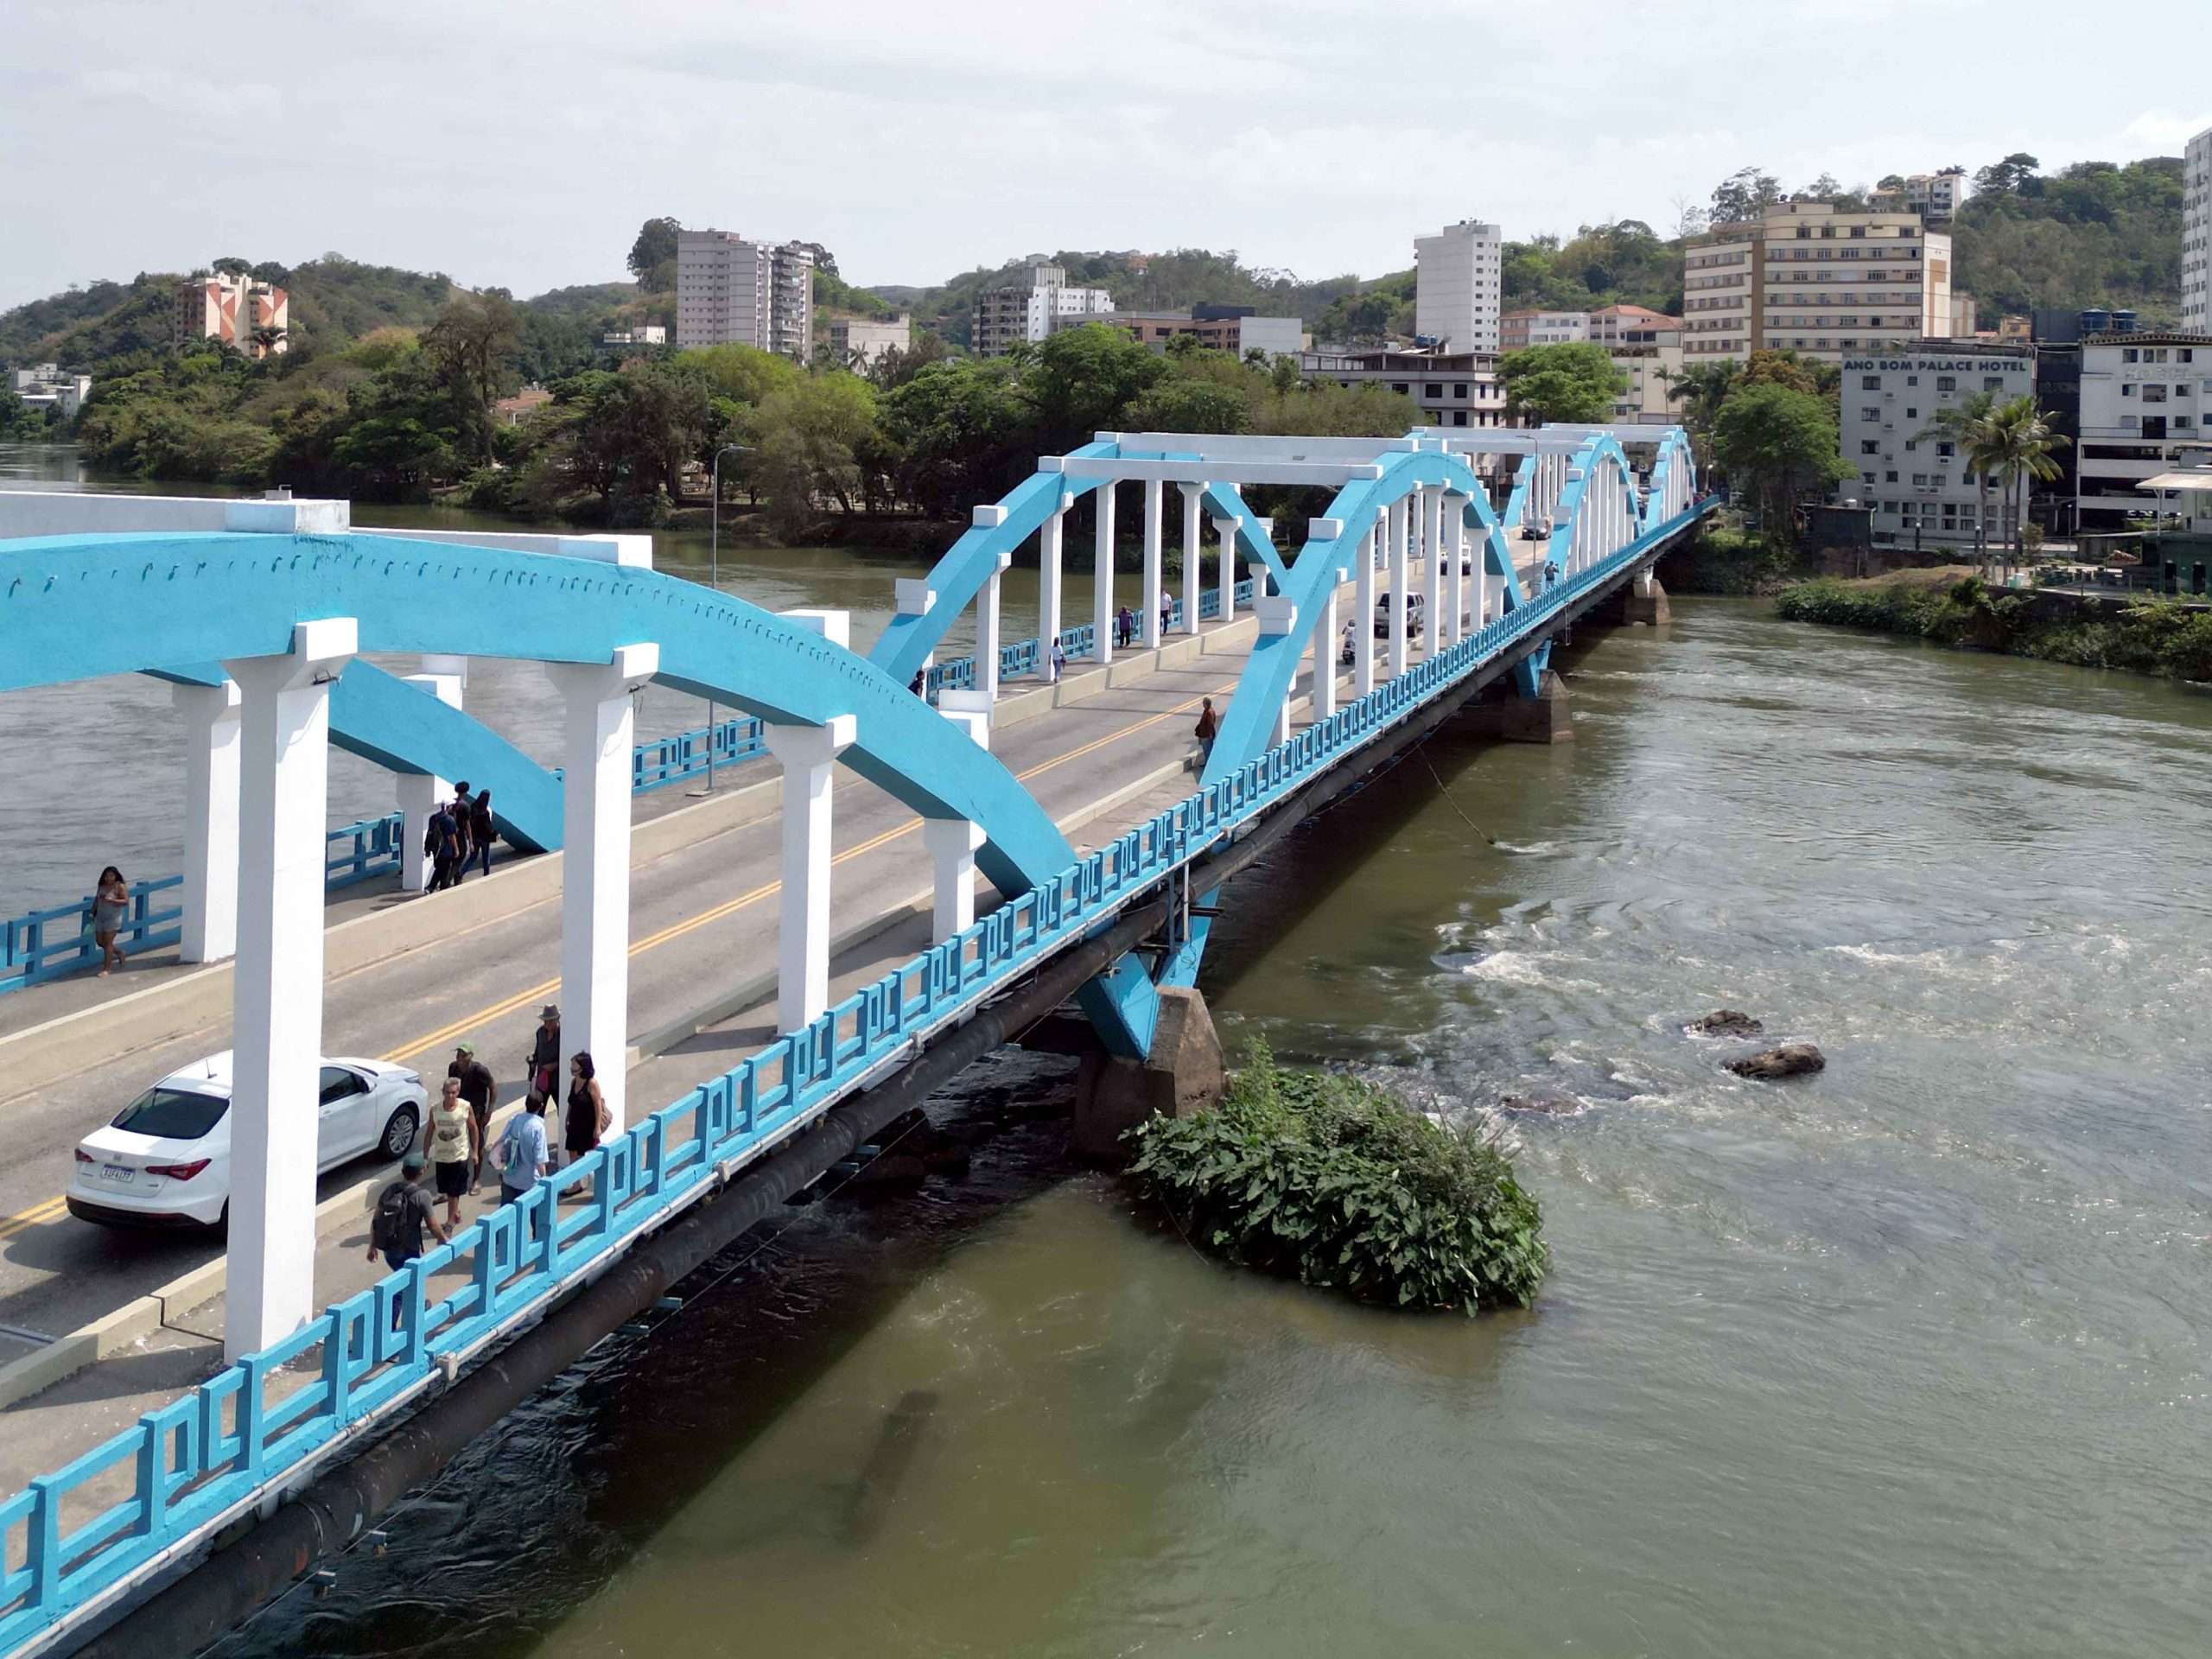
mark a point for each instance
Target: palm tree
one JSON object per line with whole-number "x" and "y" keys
{"x": 1701, "y": 388}
{"x": 1968, "y": 426}
{"x": 2022, "y": 446}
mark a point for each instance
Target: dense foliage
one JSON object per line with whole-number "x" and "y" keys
{"x": 1777, "y": 442}
{"x": 1721, "y": 559}
{"x": 2150, "y": 636}
{"x": 1575, "y": 382}
{"x": 2089, "y": 234}
{"x": 1332, "y": 1181}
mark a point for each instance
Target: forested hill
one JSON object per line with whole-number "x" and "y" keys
{"x": 2091, "y": 234}
{"x": 333, "y": 301}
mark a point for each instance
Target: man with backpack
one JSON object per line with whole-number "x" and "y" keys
{"x": 442, "y": 846}
{"x": 404, "y": 1209}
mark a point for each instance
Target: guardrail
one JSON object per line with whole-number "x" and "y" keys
{"x": 204, "y": 1458}
{"x": 46, "y": 944}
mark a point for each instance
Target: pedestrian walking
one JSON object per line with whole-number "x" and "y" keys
{"x": 521, "y": 1156}
{"x": 481, "y": 1090}
{"x": 111, "y": 903}
{"x": 463, "y": 845}
{"x": 545, "y": 1058}
{"x": 916, "y": 684}
{"x": 1124, "y": 626}
{"x": 1059, "y": 662}
{"x": 1166, "y": 616}
{"x": 1209, "y": 728}
{"x": 587, "y": 1117}
{"x": 456, "y": 1148}
{"x": 442, "y": 846}
{"x": 402, "y": 1210}
{"x": 480, "y": 833}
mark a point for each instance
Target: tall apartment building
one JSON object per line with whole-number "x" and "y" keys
{"x": 2143, "y": 397}
{"x": 2196, "y": 235}
{"x": 1032, "y": 310}
{"x": 247, "y": 316}
{"x": 1807, "y": 278}
{"x": 1646, "y": 345}
{"x": 730, "y": 291}
{"x": 1909, "y": 473}
{"x": 1458, "y": 284}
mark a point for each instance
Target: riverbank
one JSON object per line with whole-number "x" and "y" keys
{"x": 1729, "y": 563}
{"x": 1952, "y": 606}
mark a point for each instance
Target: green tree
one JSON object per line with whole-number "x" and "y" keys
{"x": 652, "y": 256}
{"x": 964, "y": 431}
{"x": 1190, "y": 404}
{"x": 2008, "y": 177}
{"x": 1779, "y": 442}
{"x": 2023, "y": 445}
{"x": 1081, "y": 379}
{"x": 1968, "y": 428}
{"x": 468, "y": 347}
{"x": 1701, "y": 388}
{"x": 816, "y": 439}
{"x": 1572, "y": 382}
{"x": 1744, "y": 195}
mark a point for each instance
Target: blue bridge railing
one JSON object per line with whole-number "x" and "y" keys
{"x": 44, "y": 944}
{"x": 198, "y": 1460}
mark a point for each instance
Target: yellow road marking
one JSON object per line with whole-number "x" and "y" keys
{"x": 54, "y": 1207}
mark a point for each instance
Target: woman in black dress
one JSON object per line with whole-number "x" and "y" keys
{"x": 587, "y": 1109}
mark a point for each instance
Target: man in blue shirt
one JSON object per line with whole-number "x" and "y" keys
{"x": 521, "y": 1146}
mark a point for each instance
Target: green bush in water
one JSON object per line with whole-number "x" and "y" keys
{"x": 1333, "y": 1181}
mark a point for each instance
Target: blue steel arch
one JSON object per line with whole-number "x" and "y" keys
{"x": 207, "y": 597}
{"x": 973, "y": 560}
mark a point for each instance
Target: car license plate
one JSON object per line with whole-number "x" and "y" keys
{"x": 117, "y": 1173}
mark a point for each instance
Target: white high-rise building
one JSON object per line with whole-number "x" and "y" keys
{"x": 1033, "y": 310}
{"x": 1457, "y": 285}
{"x": 730, "y": 291}
{"x": 2196, "y": 235}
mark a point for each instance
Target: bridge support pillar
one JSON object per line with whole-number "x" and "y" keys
{"x": 1051, "y": 554}
{"x": 1645, "y": 600}
{"x": 419, "y": 792}
{"x": 1226, "y": 529}
{"x": 807, "y": 753}
{"x": 1432, "y": 573}
{"x": 952, "y": 843}
{"x": 1363, "y": 629}
{"x": 1544, "y": 718}
{"x": 1278, "y": 620}
{"x": 1454, "y": 628}
{"x": 1183, "y": 1075}
{"x": 1102, "y": 577}
{"x": 598, "y": 728}
{"x": 1150, "y": 629}
{"x": 276, "y": 999}
{"x": 986, "y": 633}
{"x": 1324, "y": 653}
{"x": 210, "y": 819}
{"x": 1194, "y": 553}
{"x": 1401, "y": 529}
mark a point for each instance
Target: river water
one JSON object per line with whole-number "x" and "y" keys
{"x": 108, "y": 754}
{"x": 1909, "y": 1357}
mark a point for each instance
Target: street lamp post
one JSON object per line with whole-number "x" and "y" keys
{"x": 714, "y": 579}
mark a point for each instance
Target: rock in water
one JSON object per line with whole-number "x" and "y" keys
{"x": 1790, "y": 1061}
{"x": 1555, "y": 1102}
{"x": 1726, "y": 1022}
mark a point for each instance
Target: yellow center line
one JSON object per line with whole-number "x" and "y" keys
{"x": 52, "y": 1208}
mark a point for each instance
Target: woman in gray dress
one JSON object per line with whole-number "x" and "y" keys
{"x": 111, "y": 903}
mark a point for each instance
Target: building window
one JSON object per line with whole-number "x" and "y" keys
{"x": 2153, "y": 392}
{"x": 1870, "y": 414}
{"x": 1946, "y": 382}
{"x": 1992, "y": 383}
{"x": 2129, "y": 354}
{"x": 1946, "y": 450}
{"x": 1399, "y": 386}
{"x": 1870, "y": 383}
{"x": 1459, "y": 388}
{"x": 1431, "y": 390}
{"x": 1890, "y": 477}
{"x": 1912, "y": 414}
{"x": 1459, "y": 417}
{"x": 1870, "y": 446}
{"x": 1920, "y": 479}
{"x": 1912, "y": 379}
{"x": 2127, "y": 389}
{"x": 1911, "y": 444}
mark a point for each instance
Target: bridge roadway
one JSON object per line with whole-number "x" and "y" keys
{"x": 702, "y": 994}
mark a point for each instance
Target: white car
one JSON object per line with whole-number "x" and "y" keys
{"x": 165, "y": 1161}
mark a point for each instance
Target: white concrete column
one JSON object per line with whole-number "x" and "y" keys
{"x": 1401, "y": 527}
{"x": 598, "y": 731}
{"x": 1362, "y": 632}
{"x": 808, "y": 753}
{"x": 419, "y": 792}
{"x": 1155, "y": 593}
{"x": 1277, "y": 614}
{"x": 1324, "y": 653}
{"x": 987, "y": 632}
{"x": 1050, "y": 537}
{"x": 1432, "y": 571}
{"x": 1455, "y": 558}
{"x": 210, "y": 819}
{"x": 277, "y": 987}
{"x": 1194, "y": 553}
{"x": 1226, "y": 529}
{"x": 952, "y": 843}
{"x": 1102, "y": 577}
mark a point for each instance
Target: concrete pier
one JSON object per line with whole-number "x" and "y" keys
{"x": 1544, "y": 718}
{"x": 1184, "y": 1074}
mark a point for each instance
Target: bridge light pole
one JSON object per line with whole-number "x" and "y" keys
{"x": 714, "y": 581}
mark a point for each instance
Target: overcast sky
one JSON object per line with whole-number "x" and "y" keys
{"x": 520, "y": 143}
